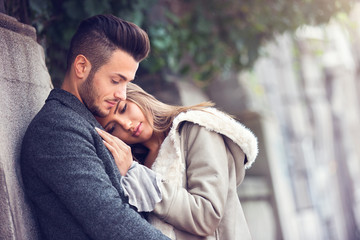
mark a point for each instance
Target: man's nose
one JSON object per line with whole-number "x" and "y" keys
{"x": 120, "y": 93}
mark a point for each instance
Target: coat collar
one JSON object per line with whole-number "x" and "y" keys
{"x": 219, "y": 122}
{"x": 74, "y": 103}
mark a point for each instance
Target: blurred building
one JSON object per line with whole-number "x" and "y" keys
{"x": 302, "y": 101}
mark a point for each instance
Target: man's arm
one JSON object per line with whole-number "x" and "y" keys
{"x": 69, "y": 163}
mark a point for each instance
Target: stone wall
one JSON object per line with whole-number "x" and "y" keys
{"x": 24, "y": 85}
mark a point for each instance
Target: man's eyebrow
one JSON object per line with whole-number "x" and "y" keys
{"x": 123, "y": 77}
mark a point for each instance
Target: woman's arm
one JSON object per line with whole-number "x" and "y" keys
{"x": 199, "y": 208}
{"x": 140, "y": 184}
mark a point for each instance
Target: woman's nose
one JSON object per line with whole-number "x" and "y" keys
{"x": 126, "y": 124}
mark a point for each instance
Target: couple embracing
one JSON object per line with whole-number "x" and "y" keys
{"x": 103, "y": 159}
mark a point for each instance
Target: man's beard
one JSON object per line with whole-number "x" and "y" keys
{"x": 89, "y": 96}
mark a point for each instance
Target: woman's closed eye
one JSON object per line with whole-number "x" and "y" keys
{"x": 111, "y": 128}
{"x": 122, "y": 110}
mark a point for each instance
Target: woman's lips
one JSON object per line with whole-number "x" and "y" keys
{"x": 137, "y": 130}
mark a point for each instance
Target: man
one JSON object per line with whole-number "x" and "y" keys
{"x": 69, "y": 175}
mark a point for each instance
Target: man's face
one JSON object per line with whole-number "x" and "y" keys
{"x": 101, "y": 91}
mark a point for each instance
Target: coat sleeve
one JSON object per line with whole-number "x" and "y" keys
{"x": 70, "y": 166}
{"x": 199, "y": 208}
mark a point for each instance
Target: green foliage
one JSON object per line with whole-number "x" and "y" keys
{"x": 209, "y": 37}
{"x": 196, "y": 39}
{"x": 56, "y": 22}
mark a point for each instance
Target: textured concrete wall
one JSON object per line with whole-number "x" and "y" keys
{"x": 24, "y": 85}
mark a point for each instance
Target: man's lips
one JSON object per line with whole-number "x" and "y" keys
{"x": 137, "y": 130}
{"x": 111, "y": 103}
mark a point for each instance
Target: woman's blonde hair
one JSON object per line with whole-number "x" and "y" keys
{"x": 163, "y": 114}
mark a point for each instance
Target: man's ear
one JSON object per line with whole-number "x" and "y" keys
{"x": 82, "y": 66}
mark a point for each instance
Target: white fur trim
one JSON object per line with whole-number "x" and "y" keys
{"x": 221, "y": 123}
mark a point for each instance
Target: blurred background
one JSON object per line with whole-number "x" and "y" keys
{"x": 287, "y": 69}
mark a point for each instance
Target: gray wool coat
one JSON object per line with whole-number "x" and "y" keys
{"x": 71, "y": 178}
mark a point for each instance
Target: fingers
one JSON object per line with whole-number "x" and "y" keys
{"x": 105, "y": 135}
{"x": 111, "y": 149}
{"x": 111, "y": 139}
{"x": 113, "y": 143}
{"x": 120, "y": 151}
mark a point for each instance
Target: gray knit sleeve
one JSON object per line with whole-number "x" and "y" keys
{"x": 142, "y": 186}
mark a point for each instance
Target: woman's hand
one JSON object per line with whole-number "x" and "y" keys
{"x": 120, "y": 151}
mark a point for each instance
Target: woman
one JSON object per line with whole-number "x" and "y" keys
{"x": 201, "y": 155}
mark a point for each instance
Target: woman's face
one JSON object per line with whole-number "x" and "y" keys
{"x": 127, "y": 122}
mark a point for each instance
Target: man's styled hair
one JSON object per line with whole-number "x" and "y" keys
{"x": 99, "y": 36}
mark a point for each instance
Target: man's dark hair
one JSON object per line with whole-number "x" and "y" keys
{"x": 99, "y": 36}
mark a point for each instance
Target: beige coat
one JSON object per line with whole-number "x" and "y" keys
{"x": 202, "y": 163}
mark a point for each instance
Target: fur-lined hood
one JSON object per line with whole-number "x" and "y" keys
{"x": 211, "y": 119}
{"x": 221, "y": 123}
